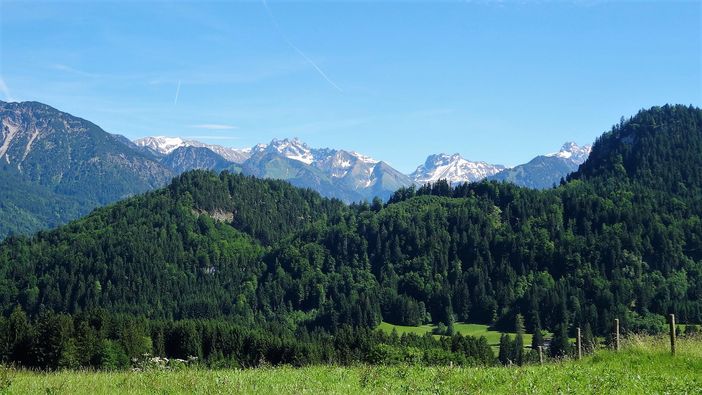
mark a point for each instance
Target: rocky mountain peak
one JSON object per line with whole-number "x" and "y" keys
{"x": 573, "y": 152}
{"x": 453, "y": 168}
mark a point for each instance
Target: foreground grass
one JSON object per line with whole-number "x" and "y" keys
{"x": 644, "y": 366}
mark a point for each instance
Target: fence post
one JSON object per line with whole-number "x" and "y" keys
{"x": 579, "y": 342}
{"x": 541, "y": 355}
{"x": 672, "y": 334}
{"x": 616, "y": 334}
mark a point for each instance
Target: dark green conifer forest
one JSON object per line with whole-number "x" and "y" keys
{"x": 238, "y": 271}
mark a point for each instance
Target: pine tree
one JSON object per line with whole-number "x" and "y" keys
{"x": 19, "y": 336}
{"x": 560, "y": 344}
{"x": 506, "y": 349}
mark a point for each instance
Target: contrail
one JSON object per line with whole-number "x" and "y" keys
{"x": 296, "y": 49}
{"x": 313, "y": 64}
{"x": 175, "y": 101}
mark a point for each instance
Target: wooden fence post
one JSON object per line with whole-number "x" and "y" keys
{"x": 672, "y": 334}
{"x": 541, "y": 355}
{"x": 579, "y": 342}
{"x": 616, "y": 334}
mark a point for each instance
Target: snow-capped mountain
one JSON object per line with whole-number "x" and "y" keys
{"x": 453, "y": 168}
{"x": 347, "y": 175}
{"x": 162, "y": 145}
{"x": 573, "y": 152}
{"x": 541, "y": 172}
{"x": 545, "y": 171}
{"x": 290, "y": 148}
{"x": 335, "y": 163}
{"x": 340, "y": 164}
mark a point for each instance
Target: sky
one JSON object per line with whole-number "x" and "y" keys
{"x": 500, "y": 82}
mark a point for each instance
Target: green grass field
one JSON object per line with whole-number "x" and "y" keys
{"x": 477, "y": 330}
{"x": 643, "y": 366}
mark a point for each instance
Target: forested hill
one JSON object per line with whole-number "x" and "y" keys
{"x": 622, "y": 238}
{"x": 659, "y": 148}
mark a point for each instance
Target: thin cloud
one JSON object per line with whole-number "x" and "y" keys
{"x": 73, "y": 70}
{"x": 5, "y": 90}
{"x": 298, "y": 50}
{"x": 175, "y": 101}
{"x": 206, "y": 137}
{"x": 213, "y": 126}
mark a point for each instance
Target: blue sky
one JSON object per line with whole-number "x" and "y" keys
{"x": 494, "y": 81}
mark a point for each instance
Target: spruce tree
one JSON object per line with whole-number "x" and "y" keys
{"x": 560, "y": 344}
{"x": 506, "y": 348}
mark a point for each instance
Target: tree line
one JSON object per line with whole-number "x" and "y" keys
{"x": 99, "y": 339}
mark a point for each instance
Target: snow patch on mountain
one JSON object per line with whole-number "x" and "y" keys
{"x": 363, "y": 158}
{"x": 293, "y": 149}
{"x": 349, "y": 171}
{"x": 162, "y": 144}
{"x": 573, "y": 152}
{"x": 453, "y": 168}
{"x": 165, "y": 145}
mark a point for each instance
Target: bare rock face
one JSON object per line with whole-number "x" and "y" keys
{"x": 218, "y": 215}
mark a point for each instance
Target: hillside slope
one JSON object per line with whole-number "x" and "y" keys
{"x": 79, "y": 165}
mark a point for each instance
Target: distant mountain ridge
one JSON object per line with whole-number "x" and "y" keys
{"x": 347, "y": 175}
{"x": 162, "y": 145}
{"x": 545, "y": 171}
{"x": 541, "y": 172}
{"x": 351, "y": 176}
{"x": 454, "y": 169}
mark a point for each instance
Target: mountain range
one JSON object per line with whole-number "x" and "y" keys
{"x": 58, "y": 167}
{"x": 351, "y": 176}
{"x": 160, "y": 146}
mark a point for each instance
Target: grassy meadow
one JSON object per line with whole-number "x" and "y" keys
{"x": 466, "y": 329}
{"x": 643, "y": 366}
